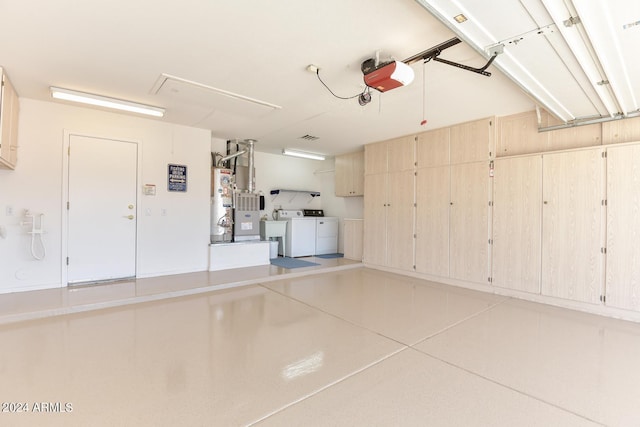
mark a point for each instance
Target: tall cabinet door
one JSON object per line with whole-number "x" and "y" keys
{"x": 469, "y": 228}
{"x": 432, "y": 197}
{"x": 432, "y": 221}
{"x": 400, "y": 211}
{"x": 571, "y": 225}
{"x": 375, "y": 222}
{"x": 517, "y": 216}
{"x": 623, "y": 227}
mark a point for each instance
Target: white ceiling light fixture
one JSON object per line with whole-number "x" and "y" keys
{"x": 103, "y": 101}
{"x": 302, "y": 154}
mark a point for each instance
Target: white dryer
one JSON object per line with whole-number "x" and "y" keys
{"x": 326, "y": 231}
{"x": 327, "y": 235}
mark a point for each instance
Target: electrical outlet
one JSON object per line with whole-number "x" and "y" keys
{"x": 147, "y": 211}
{"x": 163, "y": 211}
{"x": 9, "y": 211}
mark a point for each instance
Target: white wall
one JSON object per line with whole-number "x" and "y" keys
{"x": 275, "y": 171}
{"x": 174, "y": 243}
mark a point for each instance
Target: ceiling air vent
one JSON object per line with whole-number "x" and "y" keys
{"x": 309, "y": 137}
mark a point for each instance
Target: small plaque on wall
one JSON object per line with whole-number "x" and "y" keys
{"x": 149, "y": 190}
{"x": 177, "y": 178}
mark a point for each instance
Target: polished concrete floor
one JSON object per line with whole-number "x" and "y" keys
{"x": 349, "y": 346}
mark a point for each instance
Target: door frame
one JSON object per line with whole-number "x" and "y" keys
{"x": 64, "y": 227}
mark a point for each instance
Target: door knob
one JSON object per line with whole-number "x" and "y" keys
{"x": 130, "y": 206}
{"x": 129, "y": 217}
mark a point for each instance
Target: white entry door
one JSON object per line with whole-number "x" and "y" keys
{"x": 102, "y": 209}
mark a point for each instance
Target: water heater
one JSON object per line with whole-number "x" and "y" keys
{"x": 221, "y": 205}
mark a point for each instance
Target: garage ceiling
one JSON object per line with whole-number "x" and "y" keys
{"x": 180, "y": 55}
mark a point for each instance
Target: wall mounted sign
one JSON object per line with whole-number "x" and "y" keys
{"x": 177, "y": 178}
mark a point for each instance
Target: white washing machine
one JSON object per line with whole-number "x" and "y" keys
{"x": 301, "y": 233}
{"x": 326, "y": 231}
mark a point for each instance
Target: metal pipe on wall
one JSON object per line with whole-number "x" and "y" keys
{"x": 252, "y": 178}
{"x": 229, "y": 157}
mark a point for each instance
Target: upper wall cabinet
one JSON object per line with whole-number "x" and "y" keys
{"x": 518, "y": 134}
{"x": 432, "y": 148}
{"x": 473, "y": 141}
{"x": 9, "y": 108}
{"x": 394, "y": 155}
{"x": 350, "y": 174}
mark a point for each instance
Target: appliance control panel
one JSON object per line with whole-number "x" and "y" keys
{"x": 313, "y": 212}
{"x": 289, "y": 213}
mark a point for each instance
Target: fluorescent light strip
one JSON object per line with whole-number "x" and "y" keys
{"x": 103, "y": 101}
{"x": 302, "y": 154}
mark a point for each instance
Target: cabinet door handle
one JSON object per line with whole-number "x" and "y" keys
{"x": 545, "y": 202}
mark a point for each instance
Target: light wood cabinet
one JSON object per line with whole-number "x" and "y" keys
{"x": 572, "y": 241}
{"x": 375, "y": 158}
{"x": 388, "y": 219}
{"x": 353, "y": 238}
{"x": 375, "y": 219}
{"x": 432, "y": 202}
{"x": 389, "y": 203}
{"x": 393, "y": 155}
{"x": 472, "y": 141}
{"x": 400, "y": 220}
{"x": 517, "y": 222}
{"x": 432, "y": 148}
{"x": 469, "y": 215}
{"x": 518, "y": 134}
{"x": 562, "y": 225}
{"x": 402, "y": 154}
{"x": 350, "y": 174}
{"x": 432, "y": 221}
{"x": 9, "y": 109}
{"x": 623, "y": 227}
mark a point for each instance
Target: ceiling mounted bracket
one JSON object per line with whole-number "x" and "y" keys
{"x": 466, "y": 67}
{"x": 434, "y": 53}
